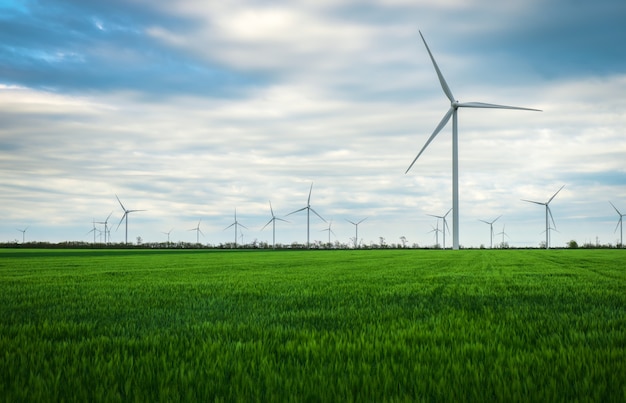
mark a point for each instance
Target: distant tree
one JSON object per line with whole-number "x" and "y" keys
{"x": 403, "y": 240}
{"x": 572, "y": 244}
{"x": 139, "y": 240}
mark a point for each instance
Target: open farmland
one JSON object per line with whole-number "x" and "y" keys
{"x": 383, "y": 325}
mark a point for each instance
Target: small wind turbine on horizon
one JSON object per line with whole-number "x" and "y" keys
{"x": 23, "y": 231}
{"x": 490, "y": 223}
{"x": 548, "y": 213}
{"x": 503, "y": 234}
{"x": 452, "y": 113}
{"x": 329, "y": 229}
{"x": 619, "y": 224}
{"x": 169, "y": 232}
{"x": 436, "y": 230}
{"x": 308, "y": 209}
{"x": 444, "y": 225}
{"x": 106, "y": 228}
{"x": 125, "y": 216}
{"x": 94, "y": 229}
{"x": 236, "y": 224}
{"x": 356, "y": 229}
{"x": 273, "y": 221}
{"x": 198, "y": 232}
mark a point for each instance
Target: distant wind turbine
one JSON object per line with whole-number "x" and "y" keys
{"x": 490, "y": 223}
{"x": 452, "y": 112}
{"x": 94, "y": 229}
{"x": 125, "y": 217}
{"x": 273, "y": 221}
{"x": 23, "y": 231}
{"x": 444, "y": 225}
{"x": 329, "y": 229}
{"x": 356, "y": 229}
{"x": 106, "y": 228}
{"x": 308, "y": 209}
{"x": 619, "y": 224}
{"x": 503, "y": 234}
{"x": 198, "y": 232}
{"x": 548, "y": 213}
{"x": 236, "y": 224}
{"x": 169, "y": 232}
{"x": 436, "y": 230}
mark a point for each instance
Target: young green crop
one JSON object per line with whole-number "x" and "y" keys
{"x": 384, "y": 325}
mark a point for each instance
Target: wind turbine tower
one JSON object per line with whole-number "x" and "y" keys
{"x": 125, "y": 217}
{"x": 619, "y": 224}
{"x": 548, "y": 213}
{"x": 308, "y": 209}
{"x": 356, "y": 229}
{"x": 452, "y": 113}
{"x": 490, "y": 223}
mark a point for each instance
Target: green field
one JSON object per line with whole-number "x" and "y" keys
{"x": 380, "y": 325}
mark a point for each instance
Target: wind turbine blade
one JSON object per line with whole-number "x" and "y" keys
{"x": 318, "y": 215}
{"x": 268, "y": 223}
{"x": 297, "y": 211}
{"x": 362, "y": 220}
{"x": 228, "y": 227}
{"x": 618, "y": 224}
{"x": 109, "y": 216}
{"x": 271, "y": 209}
{"x": 616, "y": 209}
{"x": 280, "y": 219}
{"x": 551, "y": 217}
{"x": 118, "y": 199}
{"x": 353, "y": 223}
{"x": 536, "y": 202}
{"x": 494, "y": 106}
{"x": 445, "y": 215}
{"x": 200, "y": 231}
{"x": 122, "y": 219}
{"x": 486, "y": 222}
{"x": 241, "y": 225}
{"x": 133, "y": 211}
{"x": 308, "y": 202}
{"x": 442, "y": 81}
{"x": 557, "y": 192}
{"x": 496, "y": 219}
{"x": 440, "y": 126}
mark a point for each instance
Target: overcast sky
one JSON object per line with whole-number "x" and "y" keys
{"x": 189, "y": 109}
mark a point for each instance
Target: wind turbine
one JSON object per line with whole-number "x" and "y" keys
{"x": 308, "y": 209}
{"x": 94, "y": 229}
{"x": 548, "y": 213}
{"x": 235, "y": 224}
{"x": 198, "y": 232}
{"x": 169, "y": 232}
{"x": 436, "y": 231}
{"x": 273, "y": 221}
{"x": 452, "y": 113}
{"x": 490, "y": 223}
{"x": 125, "y": 216}
{"x": 619, "y": 224}
{"x": 23, "y": 231}
{"x": 445, "y": 225}
{"x": 356, "y": 235}
{"x": 503, "y": 234}
{"x": 329, "y": 229}
{"x": 106, "y": 228}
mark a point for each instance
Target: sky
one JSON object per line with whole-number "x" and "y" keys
{"x": 191, "y": 109}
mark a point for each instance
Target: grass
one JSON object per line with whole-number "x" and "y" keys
{"x": 385, "y": 325}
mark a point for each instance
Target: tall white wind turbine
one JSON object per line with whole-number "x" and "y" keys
{"x": 308, "y": 209}
{"x": 356, "y": 229}
{"x": 490, "y": 223}
{"x": 198, "y": 232}
{"x": 445, "y": 225}
{"x": 236, "y": 224}
{"x": 619, "y": 224}
{"x": 125, "y": 217}
{"x": 452, "y": 113}
{"x": 548, "y": 213}
{"x": 273, "y": 222}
